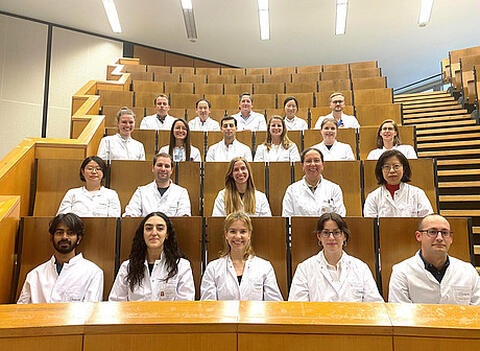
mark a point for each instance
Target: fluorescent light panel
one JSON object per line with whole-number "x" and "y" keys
{"x": 189, "y": 19}
{"x": 263, "y": 18}
{"x": 187, "y": 4}
{"x": 112, "y": 15}
{"x": 341, "y": 17}
{"x": 425, "y": 12}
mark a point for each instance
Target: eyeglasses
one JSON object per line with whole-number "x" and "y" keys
{"x": 432, "y": 233}
{"x": 326, "y": 233}
{"x": 396, "y": 167}
{"x": 91, "y": 169}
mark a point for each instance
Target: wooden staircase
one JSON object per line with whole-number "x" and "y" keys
{"x": 445, "y": 131}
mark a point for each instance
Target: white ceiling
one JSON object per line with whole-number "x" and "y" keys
{"x": 302, "y": 31}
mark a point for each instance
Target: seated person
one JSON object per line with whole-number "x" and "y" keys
{"x": 238, "y": 274}
{"x": 337, "y": 104}
{"x": 246, "y": 118}
{"x": 394, "y": 197}
{"x": 293, "y": 122}
{"x": 431, "y": 276}
{"x": 313, "y": 194}
{"x": 388, "y": 139}
{"x": 93, "y": 199}
{"x": 203, "y": 122}
{"x": 160, "y": 120}
{"x": 240, "y": 193}
{"x": 332, "y": 275}
{"x": 277, "y": 146}
{"x": 156, "y": 269}
{"x": 161, "y": 194}
{"x": 122, "y": 146}
{"x": 229, "y": 147}
{"x": 333, "y": 150}
{"x": 180, "y": 148}
{"x": 67, "y": 276}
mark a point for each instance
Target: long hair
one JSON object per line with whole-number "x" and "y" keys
{"x": 396, "y": 138}
{"x": 284, "y": 140}
{"x": 232, "y": 200}
{"x": 186, "y": 142}
{"x": 138, "y": 252}
{"x": 233, "y": 217}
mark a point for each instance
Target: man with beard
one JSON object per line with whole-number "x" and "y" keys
{"x": 67, "y": 276}
{"x": 337, "y": 104}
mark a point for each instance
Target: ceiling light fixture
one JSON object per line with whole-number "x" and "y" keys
{"x": 263, "y": 18}
{"x": 341, "y": 17}
{"x": 189, "y": 19}
{"x": 112, "y": 15}
{"x": 425, "y": 12}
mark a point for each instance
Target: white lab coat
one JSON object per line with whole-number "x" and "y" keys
{"x": 300, "y": 201}
{"x": 154, "y": 287}
{"x": 277, "y": 153}
{"x": 409, "y": 201}
{"x": 153, "y": 122}
{"x": 407, "y": 150}
{"x": 262, "y": 208}
{"x": 84, "y": 203}
{"x": 219, "y": 282}
{"x": 147, "y": 199}
{"x": 115, "y": 147}
{"x": 348, "y": 121}
{"x": 296, "y": 123}
{"x": 194, "y": 153}
{"x": 338, "y": 152}
{"x": 410, "y": 282}
{"x": 254, "y": 122}
{"x": 313, "y": 282}
{"x": 210, "y": 125}
{"x": 219, "y": 152}
{"x": 80, "y": 280}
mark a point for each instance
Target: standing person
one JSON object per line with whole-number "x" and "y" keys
{"x": 239, "y": 274}
{"x": 239, "y": 193}
{"x": 337, "y": 104}
{"x": 277, "y": 146}
{"x": 229, "y": 147}
{"x": 432, "y": 276}
{"x": 246, "y": 118}
{"x": 161, "y": 194}
{"x": 312, "y": 195}
{"x": 180, "y": 148}
{"x": 292, "y": 122}
{"x": 333, "y": 150}
{"x": 394, "y": 197}
{"x": 160, "y": 120}
{"x": 203, "y": 122}
{"x": 93, "y": 199}
{"x": 156, "y": 269}
{"x": 122, "y": 146}
{"x": 67, "y": 276}
{"x": 388, "y": 139}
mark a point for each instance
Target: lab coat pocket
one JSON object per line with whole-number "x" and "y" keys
{"x": 72, "y": 295}
{"x": 256, "y": 289}
{"x": 462, "y": 295}
{"x": 356, "y": 292}
{"x": 167, "y": 290}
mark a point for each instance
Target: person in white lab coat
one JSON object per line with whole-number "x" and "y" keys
{"x": 394, "y": 197}
{"x": 332, "y": 275}
{"x": 229, "y": 147}
{"x": 312, "y": 195}
{"x": 246, "y": 118}
{"x": 203, "y": 122}
{"x": 180, "y": 147}
{"x": 337, "y": 104}
{"x": 332, "y": 149}
{"x": 431, "y": 276}
{"x": 122, "y": 146}
{"x": 238, "y": 274}
{"x": 67, "y": 276}
{"x": 156, "y": 269}
{"x": 161, "y": 194}
{"x": 292, "y": 122}
{"x": 388, "y": 139}
{"x": 277, "y": 146}
{"x": 239, "y": 193}
{"x": 93, "y": 199}
{"x": 160, "y": 120}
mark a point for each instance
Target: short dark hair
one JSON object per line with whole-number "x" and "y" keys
{"x": 70, "y": 220}
{"x": 342, "y": 225}
{"x": 290, "y": 98}
{"x": 98, "y": 160}
{"x": 302, "y": 156}
{"x": 407, "y": 172}
{"x": 162, "y": 154}
{"x": 162, "y": 96}
{"x": 200, "y": 100}
{"x": 228, "y": 118}
{"x": 246, "y": 94}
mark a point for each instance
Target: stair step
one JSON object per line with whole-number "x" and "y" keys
{"x": 460, "y": 213}
{"x": 423, "y": 94}
{"x": 452, "y": 144}
{"x": 459, "y": 198}
{"x": 421, "y": 139}
{"x": 471, "y": 184}
{"x": 449, "y": 153}
{"x": 464, "y": 129}
{"x": 434, "y": 119}
{"x": 468, "y": 161}
{"x": 411, "y": 107}
{"x": 432, "y": 109}
{"x": 437, "y": 113}
{"x": 459, "y": 172}
{"x": 413, "y": 101}
{"x": 476, "y": 229}
{"x": 476, "y": 251}
{"x": 446, "y": 124}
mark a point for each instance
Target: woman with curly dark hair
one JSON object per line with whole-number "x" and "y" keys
{"x": 156, "y": 269}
